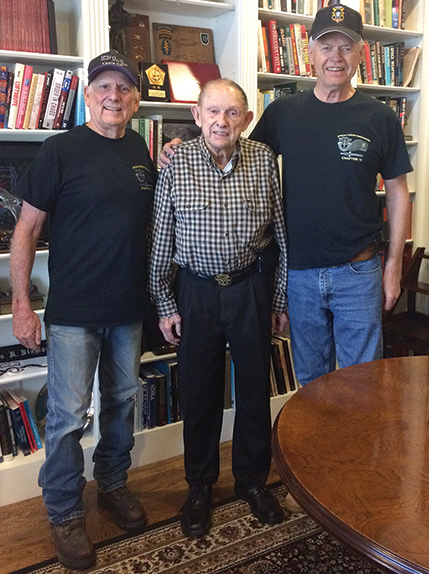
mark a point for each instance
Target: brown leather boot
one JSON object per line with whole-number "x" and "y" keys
{"x": 74, "y": 548}
{"x": 126, "y": 509}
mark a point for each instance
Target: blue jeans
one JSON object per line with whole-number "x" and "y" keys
{"x": 335, "y": 315}
{"x": 73, "y": 356}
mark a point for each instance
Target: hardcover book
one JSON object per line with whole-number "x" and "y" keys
{"x": 53, "y": 98}
{"x": 18, "y": 72}
{"x": 183, "y": 43}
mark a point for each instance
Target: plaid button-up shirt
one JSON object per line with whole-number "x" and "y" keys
{"x": 214, "y": 220}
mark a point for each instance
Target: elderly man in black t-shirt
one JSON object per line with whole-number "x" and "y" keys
{"x": 96, "y": 183}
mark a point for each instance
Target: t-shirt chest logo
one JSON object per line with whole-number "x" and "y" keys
{"x": 144, "y": 177}
{"x": 352, "y": 147}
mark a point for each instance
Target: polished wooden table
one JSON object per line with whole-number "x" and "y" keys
{"x": 353, "y": 449}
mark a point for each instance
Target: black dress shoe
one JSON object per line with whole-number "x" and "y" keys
{"x": 195, "y": 514}
{"x": 263, "y": 504}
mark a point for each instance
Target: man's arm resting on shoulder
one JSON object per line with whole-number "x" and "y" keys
{"x": 171, "y": 328}
{"x": 398, "y": 206}
{"x": 25, "y": 322}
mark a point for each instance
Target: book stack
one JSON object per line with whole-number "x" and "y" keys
{"x": 28, "y": 26}
{"x": 283, "y": 49}
{"x": 18, "y": 429}
{"x": 51, "y": 100}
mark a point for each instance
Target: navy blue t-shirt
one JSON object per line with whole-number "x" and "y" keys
{"x": 98, "y": 192}
{"x": 331, "y": 155}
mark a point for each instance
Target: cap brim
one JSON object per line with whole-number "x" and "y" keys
{"x": 104, "y": 67}
{"x": 346, "y": 31}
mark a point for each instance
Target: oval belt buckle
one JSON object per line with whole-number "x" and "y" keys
{"x": 223, "y": 279}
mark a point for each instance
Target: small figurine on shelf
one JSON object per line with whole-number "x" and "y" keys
{"x": 118, "y": 19}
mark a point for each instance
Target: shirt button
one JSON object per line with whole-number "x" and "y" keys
{"x": 227, "y": 234}
{"x": 226, "y": 204}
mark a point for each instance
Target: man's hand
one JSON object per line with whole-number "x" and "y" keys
{"x": 26, "y": 327}
{"x": 391, "y": 284}
{"x": 167, "y": 152}
{"x": 171, "y": 328}
{"x": 278, "y": 323}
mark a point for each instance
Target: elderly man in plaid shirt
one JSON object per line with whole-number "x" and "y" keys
{"x": 218, "y": 216}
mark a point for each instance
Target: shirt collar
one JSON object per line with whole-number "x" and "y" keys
{"x": 236, "y": 156}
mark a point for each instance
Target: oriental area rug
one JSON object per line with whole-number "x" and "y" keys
{"x": 237, "y": 544}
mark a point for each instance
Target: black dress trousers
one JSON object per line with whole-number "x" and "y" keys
{"x": 213, "y": 316}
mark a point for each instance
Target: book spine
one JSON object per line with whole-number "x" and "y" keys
{"x": 19, "y": 430}
{"x": 266, "y": 49}
{"x": 16, "y": 92}
{"x": 10, "y": 425}
{"x": 54, "y": 96}
{"x": 10, "y": 80}
{"x": 23, "y": 99}
{"x": 45, "y": 96}
{"x": 294, "y": 49}
{"x": 66, "y": 122}
{"x": 368, "y": 66}
{"x": 31, "y": 96}
{"x": 274, "y": 46}
{"x": 65, "y": 89}
{"x": 304, "y": 36}
{"x": 3, "y": 94}
{"x": 35, "y": 112}
{"x": 5, "y": 439}
{"x": 80, "y": 101}
{"x": 37, "y": 441}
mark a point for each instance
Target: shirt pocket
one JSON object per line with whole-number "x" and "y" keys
{"x": 193, "y": 221}
{"x": 256, "y": 216}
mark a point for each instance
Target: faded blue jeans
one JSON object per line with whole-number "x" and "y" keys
{"x": 73, "y": 356}
{"x": 335, "y": 315}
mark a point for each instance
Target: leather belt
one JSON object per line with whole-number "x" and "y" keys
{"x": 366, "y": 253}
{"x": 227, "y": 279}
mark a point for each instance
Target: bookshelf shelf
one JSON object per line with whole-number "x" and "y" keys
{"x": 182, "y": 7}
{"x": 35, "y": 58}
{"x": 26, "y": 135}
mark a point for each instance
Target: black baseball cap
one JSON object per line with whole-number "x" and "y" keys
{"x": 337, "y": 18}
{"x": 112, "y": 60}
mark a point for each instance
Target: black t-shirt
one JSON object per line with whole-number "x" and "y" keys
{"x": 98, "y": 192}
{"x": 331, "y": 155}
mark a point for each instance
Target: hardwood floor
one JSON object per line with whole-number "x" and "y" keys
{"x": 25, "y": 537}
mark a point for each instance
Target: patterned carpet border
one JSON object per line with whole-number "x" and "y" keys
{"x": 237, "y": 544}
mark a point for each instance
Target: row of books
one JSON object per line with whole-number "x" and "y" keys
{"x": 158, "y": 399}
{"x": 282, "y": 373}
{"x": 151, "y": 129}
{"x": 398, "y": 105}
{"x": 28, "y": 26}
{"x": 18, "y": 429}
{"x": 283, "y": 49}
{"x": 307, "y": 7}
{"x": 50, "y": 100}
{"x": 388, "y": 65}
{"x": 388, "y": 13}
